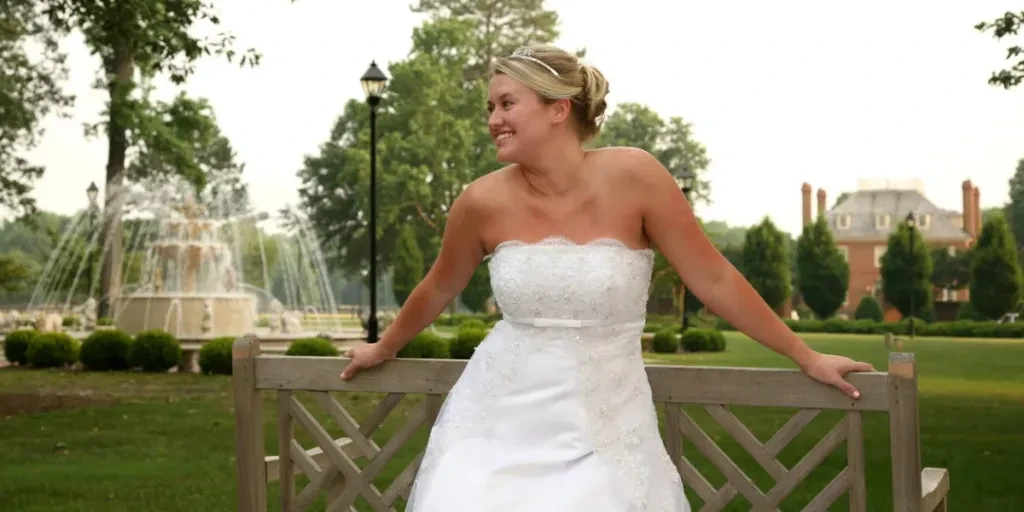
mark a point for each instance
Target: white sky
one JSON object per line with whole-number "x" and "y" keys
{"x": 780, "y": 92}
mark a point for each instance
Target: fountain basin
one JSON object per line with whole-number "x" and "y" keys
{"x": 233, "y": 314}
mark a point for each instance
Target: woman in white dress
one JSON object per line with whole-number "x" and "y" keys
{"x": 553, "y": 411}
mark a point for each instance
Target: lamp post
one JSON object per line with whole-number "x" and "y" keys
{"x": 911, "y": 225}
{"x": 685, "y": 180}
{"x": 92, "y": 193}
{"x": 374, "y": 81}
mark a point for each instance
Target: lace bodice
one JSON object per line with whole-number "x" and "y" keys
{"x": 602, "y": 281}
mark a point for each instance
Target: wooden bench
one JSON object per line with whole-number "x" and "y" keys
{"x": 345, "y": 468}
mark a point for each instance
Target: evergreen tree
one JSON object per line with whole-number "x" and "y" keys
{"x": 766, "y": 263}
{"x": 823, "y": 275}
{"x": 408, "y": 266}
{"x": 869, "y": 309}
{"x": 995, "y": 271}
{"x": 907, "y": 272}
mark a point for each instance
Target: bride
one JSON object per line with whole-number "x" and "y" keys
{"x": 553, "y": 412}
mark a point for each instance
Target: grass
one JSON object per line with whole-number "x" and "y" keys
{"x": 165, "y": 443}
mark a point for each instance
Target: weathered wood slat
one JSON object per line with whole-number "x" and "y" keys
{"x": 694, "y": 385}
{"x": 855, "y": 462}
{"x": 807, "y": 464}
{"x": 732, "y": 472}
{"x": 735, "y": 428}
{"x": 790, "y": 430}
{"x": 934, "y": 488}
{"x": 372, "y": 422}
{"x": 347, "y": 423}
{"x": 285, "y": 435}
{"x": 904, "y": 443}
{"x": 831, "y": 492}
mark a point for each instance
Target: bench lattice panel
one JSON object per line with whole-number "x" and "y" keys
{"x": 337, "y": 472}
{"x": 851, "y": 478}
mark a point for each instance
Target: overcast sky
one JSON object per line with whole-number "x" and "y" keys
{"x": 780, "y": 92}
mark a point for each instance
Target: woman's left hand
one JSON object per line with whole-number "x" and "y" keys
{"x": 830, "y": 369}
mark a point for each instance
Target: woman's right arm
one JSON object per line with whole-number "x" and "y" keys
{"x": 461, "y": 253}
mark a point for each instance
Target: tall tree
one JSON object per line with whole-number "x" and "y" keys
{"x": 823, "y": 275}
{"x": 408, "y": 266}
{"x": 950, "y": 271}
{"x": 31, "y": 71}
{"x": 995, "y": 271}
{"x": 672, "y": 142}
{"x": 497, "y": 27}
{"x": 135, "y": 40}
{"x": 906, "y": 272}
{"x": 766, "y": 263}
{"x": 1015, "y": 208}
{"x": 1007, "y": 25}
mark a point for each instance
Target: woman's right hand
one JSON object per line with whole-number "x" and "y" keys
{"x": 365, "y": 355}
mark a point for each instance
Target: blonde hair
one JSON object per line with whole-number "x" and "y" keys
{"x": 560, "y": 75}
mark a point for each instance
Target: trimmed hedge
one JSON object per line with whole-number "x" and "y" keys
{"x": 16, "y": 345}
{"x": 466, "y": 341}
{"x": 52, "y": 350}
{"x": 106, "y": 350}
{"x": 155, "y": 351}
{"x": 665, "y": 341}
{"x": 426, "y": 345}
{"x": 703, "y": 340}
{"x": 315, "y": 347}
{"x": 215, "y": 356}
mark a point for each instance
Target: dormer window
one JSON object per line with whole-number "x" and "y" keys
{"x": 882, "y": 221}
{"x": 924, "y": 221}
{"x": 843, "y": 221}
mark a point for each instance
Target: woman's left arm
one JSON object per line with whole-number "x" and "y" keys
{"x": 672, "y": 227}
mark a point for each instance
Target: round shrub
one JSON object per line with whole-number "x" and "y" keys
{"x": 426, "y": 345}
{"x": 665, "y": 341}
{"x": 16, "y": 345}
{"x": 317, "y": 347}
{"x": 869, "y": 309}
{"x": 52, "y": 350}
{"x": 473, "y": 323}
{"x": 465, "y": 342}
{"x": 703, "y": 340}
{"x": 106, "y": 350}
{"x": 155, "y": 351}
{"x": 215, "y": 356}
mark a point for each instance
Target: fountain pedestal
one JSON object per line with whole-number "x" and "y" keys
{"x": 232, "y": 314}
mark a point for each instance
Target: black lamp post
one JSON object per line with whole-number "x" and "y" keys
{"x": 92, "y": 193}
{"x": 685, "y": 180}
{"x": 911, "y": 225}
{"x": 374, "y": 81}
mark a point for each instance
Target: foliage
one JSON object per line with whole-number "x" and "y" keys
{"x": 215, "y": 356}
{"x": 16, "y": 345}
{"x": 950, "y": 271}
{"x": 672, "y": 142}
{"x": 703, "y": 340}
{"x": 869, "y": 309}
{"x": 155, "y": 351}
{"x": 1008, "y": 24}
{"x": 967, "y": 312}
{"x": 666, "y": 341}
{"x": 52, "y": 350}
{"x": 478, "y": 290}
{"x": 766, "y": 263}
{"x": 823, "y": 275}
{"x": 15, "y": 271}
{"x": 33, "y": 68}
{"x": 906, "y": 272}
{"x": 1015, "y": 208}
{"x": 408, "y": 266}
{"x": 995, "y": 272}
{"x": 106, "y": 350}
{"x": 315, "y": 347}
{"x": 466, "y": 341}
{"x": 426, "y": 345}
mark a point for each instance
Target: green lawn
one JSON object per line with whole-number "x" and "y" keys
{"x": 128, "y": 442}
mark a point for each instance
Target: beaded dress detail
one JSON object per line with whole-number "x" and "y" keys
{"x": 553, "y": 411}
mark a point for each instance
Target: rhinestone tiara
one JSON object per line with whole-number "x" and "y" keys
{"x": 526, "y": 53}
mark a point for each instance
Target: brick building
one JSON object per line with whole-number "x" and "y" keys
{"x": 862, "y": 222}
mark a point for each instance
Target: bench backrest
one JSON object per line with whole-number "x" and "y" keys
{"x": 332, "y": 466}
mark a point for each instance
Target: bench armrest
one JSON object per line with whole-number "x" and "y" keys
{"x": 934, "y": 488}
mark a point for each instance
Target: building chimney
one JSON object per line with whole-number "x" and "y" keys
{"x": 822, "y": 210}
{"x": 976, "y": 203}
{"x": 806, "y": 190}
{"x": 968, "y": 216}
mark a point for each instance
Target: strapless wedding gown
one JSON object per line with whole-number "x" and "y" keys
{"x": 553, "y": 412}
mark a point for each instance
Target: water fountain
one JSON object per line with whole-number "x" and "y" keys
{"x": 196, "y": 265}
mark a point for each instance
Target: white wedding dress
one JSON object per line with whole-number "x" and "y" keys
{"x": 553, "y": 412}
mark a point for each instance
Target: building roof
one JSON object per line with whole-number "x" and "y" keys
{"x": 862, "y": 215}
